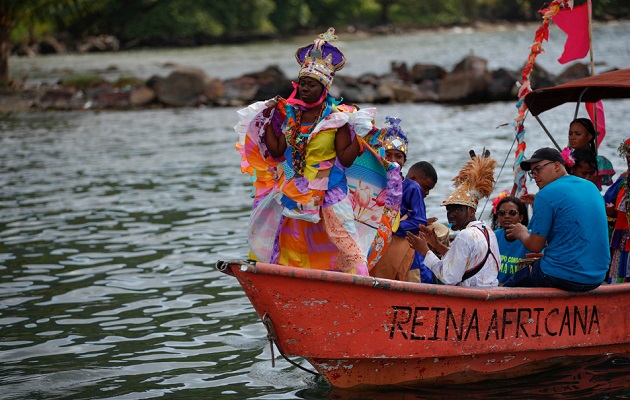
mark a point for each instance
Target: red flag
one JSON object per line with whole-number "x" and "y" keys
{"x": 601, "y": 120}
{"x": 574, "y": 22}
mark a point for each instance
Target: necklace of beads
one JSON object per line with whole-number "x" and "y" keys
{"x": 298, "y": 140}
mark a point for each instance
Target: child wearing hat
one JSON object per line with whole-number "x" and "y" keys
{"x": 396, "y": 263}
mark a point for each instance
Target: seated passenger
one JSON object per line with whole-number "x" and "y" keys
{"x": 509, "y": 210}
{"x": 581, "y": 163}
{"x": 473, "y": 258}
{"x": 582, "y": 135}
{"x": 424, "y": 174}
{"x": 570, "y": 218}
{"x": 578, "y": 162}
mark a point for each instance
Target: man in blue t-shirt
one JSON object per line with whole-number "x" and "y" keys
{"x": 570, "y": 217}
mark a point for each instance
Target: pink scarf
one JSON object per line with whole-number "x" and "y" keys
{"x": 302, "y": 105}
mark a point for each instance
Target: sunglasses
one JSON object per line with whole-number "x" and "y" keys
{"x": 513, "y": 213}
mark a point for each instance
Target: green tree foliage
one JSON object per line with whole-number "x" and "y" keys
{"x": 289, "y": 16}
{"x": 30, "y": 12}
{"x": 193, "y": 22}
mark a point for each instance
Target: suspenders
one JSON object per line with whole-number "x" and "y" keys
{"x": 471, "y": 272}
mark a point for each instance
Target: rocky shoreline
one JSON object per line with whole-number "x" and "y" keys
{"x": 469, "y": 82}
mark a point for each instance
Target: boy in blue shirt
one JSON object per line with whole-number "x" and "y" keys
{"x": 425, "y": 176}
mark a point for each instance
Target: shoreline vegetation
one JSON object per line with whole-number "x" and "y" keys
{"x": 469, "y": 82}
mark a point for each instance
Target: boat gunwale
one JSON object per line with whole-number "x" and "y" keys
{"x": 487, "y": 294}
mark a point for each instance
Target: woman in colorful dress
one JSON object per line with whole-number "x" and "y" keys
{"x": 617, "y": 199}
{"x": 297, "y": 151}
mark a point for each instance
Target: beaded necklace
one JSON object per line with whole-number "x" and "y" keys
{"x": 298, "y": 140}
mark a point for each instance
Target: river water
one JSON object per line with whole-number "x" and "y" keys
{"x": 111, "y": 223}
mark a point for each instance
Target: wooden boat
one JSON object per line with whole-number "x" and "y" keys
{"x": 362, "y": 331}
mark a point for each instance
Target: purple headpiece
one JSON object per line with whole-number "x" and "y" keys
{"x": 321, "y": 59}
{"x": 395, "y": 138}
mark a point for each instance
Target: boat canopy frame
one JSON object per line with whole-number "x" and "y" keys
{"x": 609, "y": 85}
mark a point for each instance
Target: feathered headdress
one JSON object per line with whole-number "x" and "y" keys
{"x": 624, "y": 148}
{"x": 474, "y": 181}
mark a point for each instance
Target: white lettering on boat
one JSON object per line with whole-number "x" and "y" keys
{"x": 443, "y": 323}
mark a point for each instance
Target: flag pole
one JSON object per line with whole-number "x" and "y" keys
{"x": 589, "y": 6}
{"x": 590, "y": 35}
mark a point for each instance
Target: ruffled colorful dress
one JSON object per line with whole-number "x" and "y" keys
{"x": 303, "y": 214}
{"x": 619, "y": 272}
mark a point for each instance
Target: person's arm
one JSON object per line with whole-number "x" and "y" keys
{"x": 416, "y": 213}
{"x": 346, "y": 147}
{"x": 276, "y": 143}
{"x": 531, "y": 241}
{"x": 611, "y": 210}
{"x": 450, "y": 269}
{"x": 528, "y": 198}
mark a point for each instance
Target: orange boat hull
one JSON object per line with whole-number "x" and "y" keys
{"x": 363, "y": 331}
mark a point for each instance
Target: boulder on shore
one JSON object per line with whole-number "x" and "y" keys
{"x": 187, "y": 86}
{"x": 469, "y": 82}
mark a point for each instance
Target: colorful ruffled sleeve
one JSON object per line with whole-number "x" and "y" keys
{"x": 605, "y": 170}
{"x": 255, "y": 158}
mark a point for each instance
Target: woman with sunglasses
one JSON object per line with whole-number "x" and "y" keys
{"x": 507, "y": 211}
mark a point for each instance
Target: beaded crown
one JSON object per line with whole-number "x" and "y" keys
{"x": 321, "y": 59}
{"x": 395, "y": 138}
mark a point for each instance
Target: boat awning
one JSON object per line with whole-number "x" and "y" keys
{"x": 609, "y": 85}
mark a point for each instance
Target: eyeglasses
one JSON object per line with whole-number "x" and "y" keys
{"x": 536, "y": 170}
{"x": 501, "y": 213}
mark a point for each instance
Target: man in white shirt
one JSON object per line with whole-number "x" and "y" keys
{"x": 473, "y": 258}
